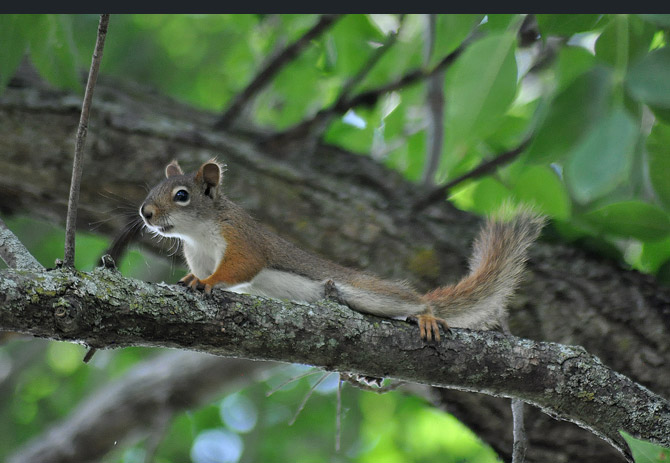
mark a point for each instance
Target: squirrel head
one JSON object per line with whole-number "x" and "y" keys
{"x": 182, "y": 204}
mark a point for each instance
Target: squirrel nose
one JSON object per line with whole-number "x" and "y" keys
{"x": 147, "y": 211}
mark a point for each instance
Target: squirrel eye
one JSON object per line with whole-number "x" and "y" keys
{"x": 181, "y": 196}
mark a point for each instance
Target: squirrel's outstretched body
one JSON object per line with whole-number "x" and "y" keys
{"x": 224, "y": 246}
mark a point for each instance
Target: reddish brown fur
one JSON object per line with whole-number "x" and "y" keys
{"x": 241, "y": 262}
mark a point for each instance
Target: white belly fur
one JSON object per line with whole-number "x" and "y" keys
{"x": 282, "y": 285}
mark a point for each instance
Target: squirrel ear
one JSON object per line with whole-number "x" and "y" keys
{"x": 210, "y": 173}
{"x": 173, "y": 169}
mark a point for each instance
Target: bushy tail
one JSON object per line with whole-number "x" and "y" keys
{"x": 496, "y": 266}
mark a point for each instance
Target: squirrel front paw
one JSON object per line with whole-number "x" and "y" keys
{"x": 196, "y": 284}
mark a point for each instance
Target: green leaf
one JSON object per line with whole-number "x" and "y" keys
{"x": 603, "y": 159}
{"x": 631, "y": 218}
{"x": 540, "y": 186}
{"x": 52, "y": 51}
{"x": 658, "y": 148}
{"x": 499, "y": 22}
{"x": 571, "y": 115}
{"x": 646, "y": 452}
{"x": 14, "y": 29}
{"x": 572, "y": 62}
{"x": 654, "y": 255}
{"x": 481, "y": 87}
{"x": 450, "y": 31}
{"x": 648, "y": 80}
{"x": 404, "y": 54}
{"x": 661, "y": 20}
{"x": 483, "y": 196}
{"x": 624, "y": 40}
{"x": 352, "y": 36}
{"x": 566, "y": 24}
{"x": 661, "y": 114}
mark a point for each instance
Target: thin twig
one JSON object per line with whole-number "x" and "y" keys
{"x": 157, "y": 434}
{"x": 519, "y": 432}
{"x": 292, "y": 379}
{"x": 486, "y": 167}
{"x": 307, "y": 396}
{"x": 14, "y": 253}
{"x": 78, "y": 162}
{"x": 370, "y": 64}
{"x": 520, "y": 445}
{"x": 412, "y": 77}
{"x": 89, "y": 354}
{"x": 272, "y": 68}
{"x": 318, "y": 123}
{"x": 435, "y": 103}
{"x": 338, "y": 417}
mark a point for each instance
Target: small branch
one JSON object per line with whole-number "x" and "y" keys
{"x": 410, "y": 78}
{"x": 314, "y": 127}
{"x": 369, "y": 97}
{"x": 14, "y": 253}
{"x": 519, "y": 432}
{"x": 520, "y": 445}
{"x": 486, "y": 167}
{"x": 272, "y": 68}
{"x": 435, "y": 103}
{"x": 370, "y": 64}
{"x": 78, "y": 162}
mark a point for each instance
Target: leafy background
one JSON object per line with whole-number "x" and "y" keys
{"x": 590, "y": 92}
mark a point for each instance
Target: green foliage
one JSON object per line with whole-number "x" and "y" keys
{"x": 646, "y": 452}
{"x": 48, "y": 39}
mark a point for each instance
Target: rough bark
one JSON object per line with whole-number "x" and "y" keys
{"x": 343, "y": 206}
{"x": 104, "y": 309}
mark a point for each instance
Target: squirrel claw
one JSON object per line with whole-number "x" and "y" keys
{"x": 195, "y": 284}
{"x": 187, "y": 280}
{"x": 429, "y": 326}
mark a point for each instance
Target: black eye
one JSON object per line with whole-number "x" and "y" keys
{"x": 181, "y": 196}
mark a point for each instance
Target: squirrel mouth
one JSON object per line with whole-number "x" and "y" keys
{"x": 165, "y": 228}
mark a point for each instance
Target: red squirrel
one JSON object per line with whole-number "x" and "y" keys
{"x": 223, "y": 245}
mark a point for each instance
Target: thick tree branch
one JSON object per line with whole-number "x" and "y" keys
{"x": 272, "y": 68}
{"x": 103, "y": 309}
{"x": 164, "y": 386}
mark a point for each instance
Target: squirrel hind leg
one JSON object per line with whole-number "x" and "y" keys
{"x": 429, "y": 325}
